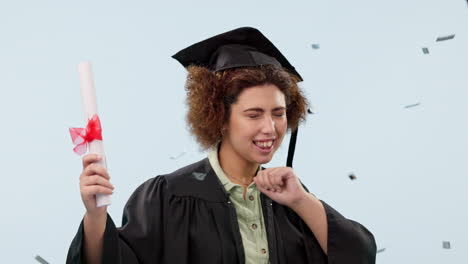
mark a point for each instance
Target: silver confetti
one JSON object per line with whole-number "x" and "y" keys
{"x": 443, "y": 38}
{"x": 425, "y": 50}
{"x": 315, "y": 46}
{"x": 446, "y": 244}
{"x": 178, "y": 156}
{"x": 199, "y": 176}
{"x": 412, "y": 105}
{"x": 41, "y": 260}
{"x": 381, "y": 250}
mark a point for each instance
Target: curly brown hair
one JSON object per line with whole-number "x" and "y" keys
{"x": 210, "y": 95}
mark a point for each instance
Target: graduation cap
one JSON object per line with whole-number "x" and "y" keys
{"x": 241, "y": 47}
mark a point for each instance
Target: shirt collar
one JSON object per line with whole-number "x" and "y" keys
{"x": 214, "y": 162}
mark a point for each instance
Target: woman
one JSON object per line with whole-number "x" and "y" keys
{"x": 242, "y": 95}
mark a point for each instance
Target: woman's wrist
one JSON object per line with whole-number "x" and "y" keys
{"x": 305, "y": 202}
{"x": 99, "y": 215}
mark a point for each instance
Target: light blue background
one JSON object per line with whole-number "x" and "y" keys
{"x": 411, "y": 190}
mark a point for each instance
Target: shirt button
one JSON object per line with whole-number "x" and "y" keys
{"x": 263, "y": 251}
{"x": 251, "y": 198}
{"x": 254, "y": 226}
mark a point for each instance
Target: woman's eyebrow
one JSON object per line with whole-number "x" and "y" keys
{"x": 258, "y": 109}
{"x": 279, "y": 108}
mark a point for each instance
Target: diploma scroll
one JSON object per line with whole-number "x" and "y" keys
{"x": 88, "y": 95}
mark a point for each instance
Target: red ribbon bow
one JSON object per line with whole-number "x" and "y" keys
{"x": 81, "y": 137}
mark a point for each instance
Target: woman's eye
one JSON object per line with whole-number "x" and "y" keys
{"x": 279, "y": 114}
{"x": 253, "y": 116}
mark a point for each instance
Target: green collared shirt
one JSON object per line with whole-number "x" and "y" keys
{"x": 249, "y": 214}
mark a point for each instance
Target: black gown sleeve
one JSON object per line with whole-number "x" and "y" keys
{"x": 349, "y": 242}
{"x": 139, "y": 238}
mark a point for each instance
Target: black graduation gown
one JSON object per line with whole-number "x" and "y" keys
{"x": 186, "y": 217}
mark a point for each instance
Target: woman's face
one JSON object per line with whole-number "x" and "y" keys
{"x": 257, "y": 123}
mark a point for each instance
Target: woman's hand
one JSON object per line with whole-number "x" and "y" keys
{"x": 93, "y": 180}
{"x": 281, "y": 185}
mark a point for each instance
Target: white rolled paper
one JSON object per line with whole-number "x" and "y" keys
{"x": 88, "y": 94}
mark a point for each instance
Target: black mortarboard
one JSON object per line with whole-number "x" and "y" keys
{"x": 240, "y": 47}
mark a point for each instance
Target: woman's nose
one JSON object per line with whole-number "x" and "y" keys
{"x": 268, "y": 126}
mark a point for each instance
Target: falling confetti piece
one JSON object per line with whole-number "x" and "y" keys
{"x": 381, "y": 250}
{"x": 412, "y": 105}
{"x": 443, "y": 38}
{"x": 178, "y": 156}
{"x": 446, "y": 244}
{"x": 41, "y": 260}
{"x": 352, "y": 176}
{"x": 425, "y": 50}
{"x": 309, "y": 111}
{"x": 315, "y": 46}
{"x": 199, "y": 176}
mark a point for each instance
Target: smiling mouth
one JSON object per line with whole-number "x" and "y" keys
{"x": 264, "y": 144}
